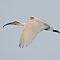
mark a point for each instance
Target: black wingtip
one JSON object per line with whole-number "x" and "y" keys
{"x": 56, "y": 31}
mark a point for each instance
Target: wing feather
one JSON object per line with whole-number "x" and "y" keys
{"x": 30, "y": 30}
{"x": 21, "y": 42}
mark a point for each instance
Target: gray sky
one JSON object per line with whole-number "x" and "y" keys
{"x": 46, "y": 46}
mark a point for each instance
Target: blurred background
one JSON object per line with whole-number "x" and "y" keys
{"x": 46, "y": 45}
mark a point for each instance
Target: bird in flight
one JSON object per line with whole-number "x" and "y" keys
{"x": 31, "y": 29}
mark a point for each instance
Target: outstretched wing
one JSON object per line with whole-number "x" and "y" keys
{"x": 30, "y": 30}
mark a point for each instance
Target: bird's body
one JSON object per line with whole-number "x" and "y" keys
{"x": 31, "y": 29}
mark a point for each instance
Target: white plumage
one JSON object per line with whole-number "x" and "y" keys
{"x": 31, "y": 29}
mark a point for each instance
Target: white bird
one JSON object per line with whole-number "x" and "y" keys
{"x": 31, "y": 29}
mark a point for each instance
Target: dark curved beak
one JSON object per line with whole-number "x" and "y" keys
{"x": 12, "y": 23}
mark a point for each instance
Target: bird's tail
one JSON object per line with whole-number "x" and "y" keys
{"x": 53, "y": 30}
